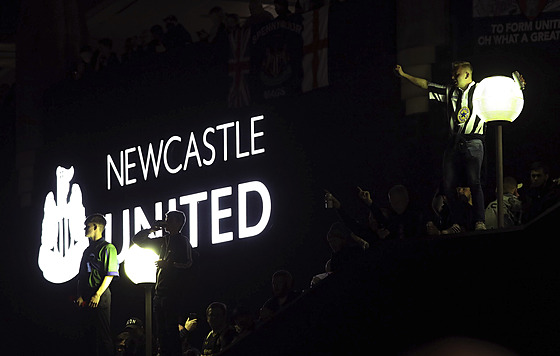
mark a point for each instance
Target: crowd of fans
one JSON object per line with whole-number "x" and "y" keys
{"x": 348, "y": 238}
{"x": 226, "y": 327}
{"x": 403, "y": 218}
{"x": 208, "y": 46}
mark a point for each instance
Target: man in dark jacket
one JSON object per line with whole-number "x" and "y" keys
{"x": 175, "y": 260}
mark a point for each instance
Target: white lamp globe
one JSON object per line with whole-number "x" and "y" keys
{"x": 498, "y": 98}
{"x": 139, "y": 264}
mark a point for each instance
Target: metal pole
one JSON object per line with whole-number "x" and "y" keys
{"x": 500, "y": 176}
{"x": 148, "y": 304}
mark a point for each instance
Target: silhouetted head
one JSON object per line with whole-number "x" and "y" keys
{"x": 156, "y": 31}
{"x": 282, "y": 283}
{"x": 216, "y": 315}
{"x": 281, "y": 7}
{"x": 174, "y": 221}
{"x": 255, "y": 6}
{"x": 510, "y": 185}
{"x": 438, "y": 201}
{"x": 105, "y": 44}
{"x": 232, "y": 22}
{"x": 216, "y": 14}
{"x": 243, "y": 318}
{"x": 539, "y": 174}
{"x": 338, "y": 236}
{"x": 171, "y": 19}
{"x": 464, "y": 194}
{"x": 398, "y": 197}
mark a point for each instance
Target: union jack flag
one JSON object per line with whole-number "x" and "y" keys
{"x": 238, "y": 68}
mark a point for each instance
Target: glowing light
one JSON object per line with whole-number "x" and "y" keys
{"x": 139, "y": 265}
{"x": 62, "y": 236}
{"x": 498, "y": 98}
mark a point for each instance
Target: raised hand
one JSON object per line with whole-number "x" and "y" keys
{"x": 331, "y": 198}
{"x": 398, "y": 70}
{"x": 364, "y": 196}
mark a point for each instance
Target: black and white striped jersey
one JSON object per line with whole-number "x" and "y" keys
{"x": 462, "y": 118}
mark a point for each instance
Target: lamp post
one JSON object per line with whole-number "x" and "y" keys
{"x": 499, "y": 99}
{"x": 141, "y": 269}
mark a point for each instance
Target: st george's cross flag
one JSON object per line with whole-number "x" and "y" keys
{"x": 315, "y": 49}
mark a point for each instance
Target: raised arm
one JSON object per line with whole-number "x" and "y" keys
{"x": 419, "y": 82}
{"x": 365, "y": 197}
{"x": 141, "y": 238}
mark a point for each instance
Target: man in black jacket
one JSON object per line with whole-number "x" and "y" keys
{"x": 175, "y": 260}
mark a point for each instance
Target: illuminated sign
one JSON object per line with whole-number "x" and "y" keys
{"x": 123, "y": 172}
{"x": 138, "y": 164}
{"x": 62, "y": 236}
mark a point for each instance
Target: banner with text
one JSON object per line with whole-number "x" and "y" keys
{"x": 516, "y": 23}
{"x": 278, "y": 58}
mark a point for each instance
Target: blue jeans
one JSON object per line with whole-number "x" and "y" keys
{"x": 462, "y": 164}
